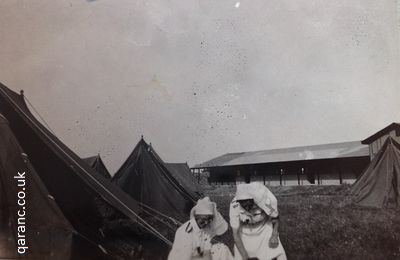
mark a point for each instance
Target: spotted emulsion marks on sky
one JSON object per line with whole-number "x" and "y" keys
{"x": 237, "y": 4}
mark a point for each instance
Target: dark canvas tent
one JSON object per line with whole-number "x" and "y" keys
{"x": 379, "y": 185}
{"x": 82, "y": 195}
{"x": 47, "y": 233}
{"x": 147, "y": 179}
{"x": 96, "y": 163}
{"x": 184, "y": 176}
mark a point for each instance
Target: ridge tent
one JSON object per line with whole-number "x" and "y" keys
{"x": 147, "y": 179}
{"x": 44, "y": 233}
{"x": 82, "y": 195}
{"x": 379, "y": 185}
{"x": 96, "y": 163}
{"x": 184, "y": 176}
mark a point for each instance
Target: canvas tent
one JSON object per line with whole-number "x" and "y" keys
{"x": 379, "y": 185}
{"x": 147, "y": 179}
{"x": 181, "y": 172}
{"x": 96, "y": 163}
{"x": 47, "y": 232}
{"x": 82, "y": 195}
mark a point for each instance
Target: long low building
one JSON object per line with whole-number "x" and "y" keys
{"x": 324, "y": 164}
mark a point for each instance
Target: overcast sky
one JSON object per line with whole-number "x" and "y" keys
{"x": 203, "y": 78}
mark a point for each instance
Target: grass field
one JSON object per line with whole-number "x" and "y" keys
{"x": 321, "y": 222}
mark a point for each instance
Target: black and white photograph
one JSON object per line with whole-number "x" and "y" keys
{"x": 199, "y": 129}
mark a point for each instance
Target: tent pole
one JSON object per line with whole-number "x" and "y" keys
{"x": 298, "y": 178}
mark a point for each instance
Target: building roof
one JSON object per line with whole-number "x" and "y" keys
{"x": 314, "y": 152}
{"x": 372, "y": 138}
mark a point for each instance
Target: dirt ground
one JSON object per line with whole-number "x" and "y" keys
{"x": 321, "y": 222}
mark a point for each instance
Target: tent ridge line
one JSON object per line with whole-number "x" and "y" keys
{"x": 90, "y": 176}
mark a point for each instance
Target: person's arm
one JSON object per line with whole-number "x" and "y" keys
{"x": 182, "y": 247}
{"x": 239, "y": 243}
{"x": 234, "y": 212}
{"x": 274, "y": 240}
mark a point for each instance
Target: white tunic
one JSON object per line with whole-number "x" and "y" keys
{"x": 190, "y": 242}
{"x": 256, "y": 234}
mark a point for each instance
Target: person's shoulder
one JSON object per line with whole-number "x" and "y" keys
{"x": 186, "y": 227}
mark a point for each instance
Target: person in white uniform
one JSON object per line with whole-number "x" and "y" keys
{"x": 193, "y": 238}
{"x": 254, "y": 219}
